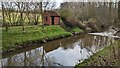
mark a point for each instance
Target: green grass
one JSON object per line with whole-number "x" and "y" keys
{"x": 107, "y": 54}
{"x": 76, "y": 29}
{"x": 15, "y": 36}
{"x": 72, "y": 29}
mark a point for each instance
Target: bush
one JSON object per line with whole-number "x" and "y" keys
{"x": 65, "y": 13}
{"x": 92, "y": 23}
{"x": 92, "y": 20}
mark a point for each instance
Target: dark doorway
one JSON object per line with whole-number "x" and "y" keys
{"x": 52, "y": 20}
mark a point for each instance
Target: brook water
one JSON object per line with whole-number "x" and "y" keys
{"x": 62, "y": 52}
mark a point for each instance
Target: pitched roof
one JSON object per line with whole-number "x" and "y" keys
{"x": 52, "y": 13}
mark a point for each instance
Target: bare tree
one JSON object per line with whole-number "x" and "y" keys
{"x": 3, "y": 14}
{"x": 21, "y": 6}
{"x": 118, "y": 13}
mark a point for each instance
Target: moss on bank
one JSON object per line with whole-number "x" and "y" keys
{"x": 106, "y": 57}
{"x": 15, "y": 36}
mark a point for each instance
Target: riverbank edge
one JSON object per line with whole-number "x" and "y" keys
{"x": 84, "y": 65}
{"x": 93, "y": 57}
{"x": 34, "y": 42}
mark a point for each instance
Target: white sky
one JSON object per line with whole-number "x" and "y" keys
{"x": 57, "y": 1}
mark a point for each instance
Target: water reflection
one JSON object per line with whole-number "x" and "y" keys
{"x": 63, "y": 52}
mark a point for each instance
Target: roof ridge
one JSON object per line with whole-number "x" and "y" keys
{"x": 53, "y": 13}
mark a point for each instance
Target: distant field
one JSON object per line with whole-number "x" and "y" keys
{"x": 15, "y": 18}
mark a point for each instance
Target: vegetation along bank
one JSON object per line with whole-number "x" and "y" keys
{"x": 109, "y": 56}
{"x": 15, "y": 38}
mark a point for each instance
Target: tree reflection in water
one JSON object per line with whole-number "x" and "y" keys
{"x": 62, "y": 52}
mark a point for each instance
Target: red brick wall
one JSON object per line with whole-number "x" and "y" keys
{"x": 48, "y": 22}
{"x": 56, "y": 20}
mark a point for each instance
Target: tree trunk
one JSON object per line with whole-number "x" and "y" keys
{"x": 21, "y": 16}
{"x": 118, "y": 23}
{"x": 3, "y": 10}
{"x": 42, "y": 15}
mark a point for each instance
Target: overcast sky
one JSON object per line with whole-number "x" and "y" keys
{"x": 59, "y": 1}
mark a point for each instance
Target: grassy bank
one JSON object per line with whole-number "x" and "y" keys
{"x": 15, "y": 36}
{"x": 73, "y": 29}
{"x": 109, "y": 56}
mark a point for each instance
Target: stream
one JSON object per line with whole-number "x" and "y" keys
{"x": 62, "y": 52}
